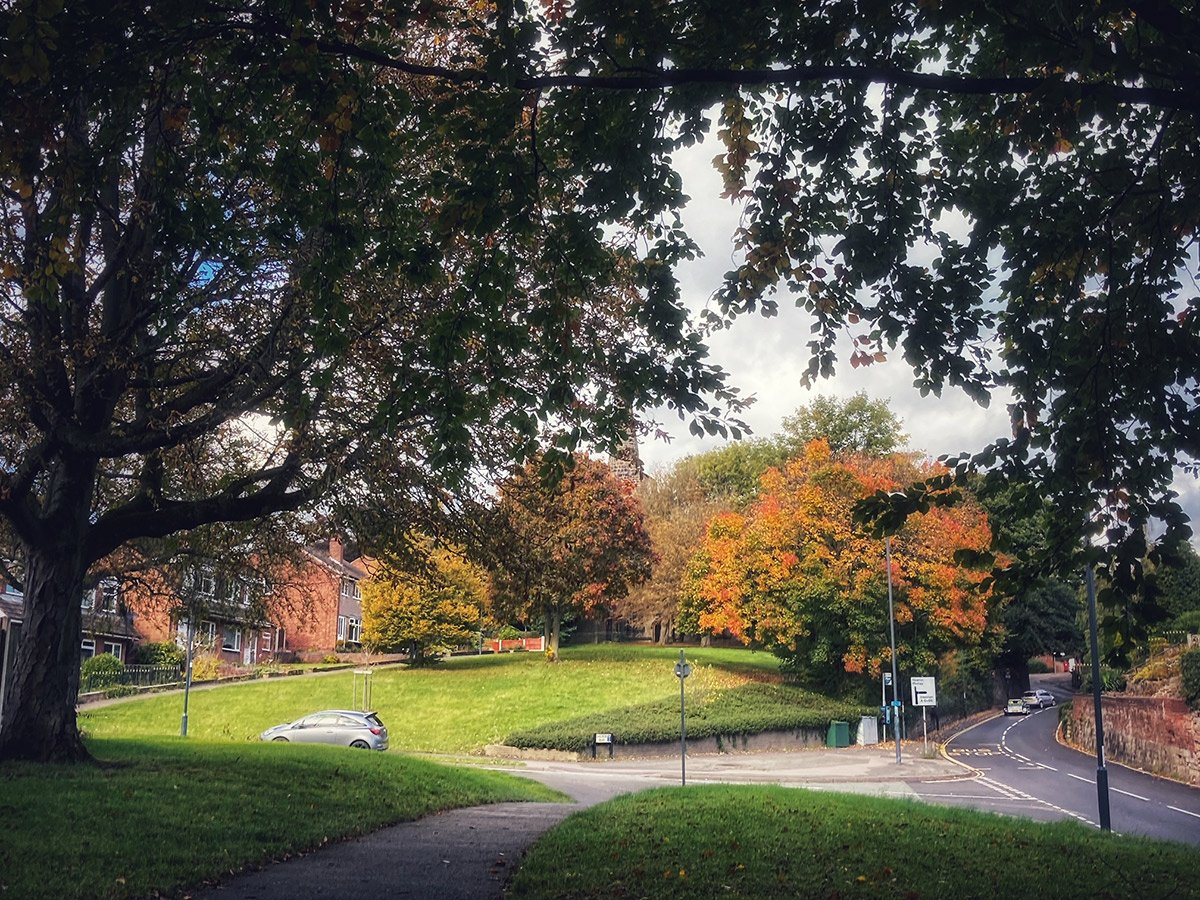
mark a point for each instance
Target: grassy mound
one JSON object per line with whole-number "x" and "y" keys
{"x": 159, "y": 816}
{"x": 743, "y": 841}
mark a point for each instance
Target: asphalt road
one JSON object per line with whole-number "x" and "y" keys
{"x": 1024, "y": 771}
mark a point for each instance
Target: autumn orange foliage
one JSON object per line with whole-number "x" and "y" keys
{"x": 795, "y": 575}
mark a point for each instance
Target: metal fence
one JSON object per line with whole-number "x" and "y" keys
{"x": 133, "y": 676}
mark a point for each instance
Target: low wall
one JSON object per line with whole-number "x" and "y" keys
{"x": 1155, "y": 734}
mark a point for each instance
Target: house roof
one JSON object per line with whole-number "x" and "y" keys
{"x": 320, "y": 553}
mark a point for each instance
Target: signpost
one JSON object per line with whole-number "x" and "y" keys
{"x": 924, "y": 693}
{"x": 682, "y": 671}
{"x": 603, "y": 738}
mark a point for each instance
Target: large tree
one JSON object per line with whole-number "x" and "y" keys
{"x": 423, "y": 605}
{"x": 678, "y": 506}
{"x": 794, "y": 575}
{"x": 567, "y": 546}
{"x": 243, "y": 270}
{"x": 856, "y": 425}
{"x": 202, "y": 203}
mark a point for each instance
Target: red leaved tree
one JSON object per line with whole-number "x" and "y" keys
{"x": 565, "y": 548}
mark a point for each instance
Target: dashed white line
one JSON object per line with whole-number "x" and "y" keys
{"x": 1184, "y": 811}
{"x": 1080, "y": 778}
{"x": 1129, "y": 794}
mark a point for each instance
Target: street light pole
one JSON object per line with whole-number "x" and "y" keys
{"x": 887, "y": 544}
{"x": 1101, "y": 770}
{"x": 187, "y": 681}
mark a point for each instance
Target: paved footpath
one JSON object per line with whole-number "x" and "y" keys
{"x": 470, "y": 853}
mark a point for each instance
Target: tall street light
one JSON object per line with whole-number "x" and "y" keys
{"x": 887, "y": 545}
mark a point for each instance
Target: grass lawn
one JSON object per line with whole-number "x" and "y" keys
{"x": 753, "y": 841}
{"x": 456, "y": 707}
{"x": 161, "y": 815}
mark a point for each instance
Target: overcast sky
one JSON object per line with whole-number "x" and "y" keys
{"x": 766, "y": 357}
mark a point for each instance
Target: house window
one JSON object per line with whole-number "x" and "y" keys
{"x": 86, "y": 601}
{"x": 341, "y": 628}
{"x": 232, "y": 638}
{"x": 87, "y": 648}
{"x": 350, "y": 589}
{"x": 354, "y": 632}
{"x": 114, "y": 649}
{"x": 207, "y": 633}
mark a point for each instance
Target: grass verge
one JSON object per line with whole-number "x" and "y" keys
{"x": 456, "y": 707}
{"x": 736, "y": 840}
{"x": 159, "y": 816}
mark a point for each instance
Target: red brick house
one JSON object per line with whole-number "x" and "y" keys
{"x": 231, "y": 626}
{"x": 320, "y": 605}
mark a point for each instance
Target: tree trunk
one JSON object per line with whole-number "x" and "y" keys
{"x": 555, "y": 619}
{"x": 39, "y": 713}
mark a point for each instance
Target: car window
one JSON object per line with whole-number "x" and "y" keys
{"x": 349, "y": 722}
{"x": 375, "y": 720}
{"x": 322, "y": 721}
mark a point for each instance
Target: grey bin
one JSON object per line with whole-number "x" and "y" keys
{"x": 839, "y": 734}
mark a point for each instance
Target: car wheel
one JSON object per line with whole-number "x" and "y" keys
{"x": 279, "y": 739}
{"x": 361, "y": 745}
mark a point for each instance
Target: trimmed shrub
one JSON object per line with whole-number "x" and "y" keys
{"x": 1189, "y": 669}
{"x": 100, "y": 671}
{"x": 161, "y": 653}
{"x": 1037, "y": 667}
{"x": 748, "y": 709}
{"x": 330, "y": 658}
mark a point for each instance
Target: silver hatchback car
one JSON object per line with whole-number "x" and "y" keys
{"x": 343, "y": 727}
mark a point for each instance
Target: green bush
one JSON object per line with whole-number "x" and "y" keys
{"x": 330, "y": 658}
{"x": 1188, "y": 621}
{"x": 508, "y": 633}
{"x": 1037, "y": 666}
{"x": 161, "y": 653}
{"x": 1110, "y": 680}
{"x": 100, "y": 671}
{"x": 1189, "y": 669}
{"x": 749, "y": 709}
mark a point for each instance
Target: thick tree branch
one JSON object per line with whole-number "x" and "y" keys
{"x": 943, "y": 83}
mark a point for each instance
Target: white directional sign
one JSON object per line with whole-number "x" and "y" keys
{"x": 924, "y": 691}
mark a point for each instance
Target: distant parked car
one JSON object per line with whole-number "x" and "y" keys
{"x": 344, "y": 727}
{"x": 1016, "y": 707}
{"x": 1039, "y": 698}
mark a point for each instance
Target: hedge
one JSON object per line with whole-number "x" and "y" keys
{"x": 748, "y": 709}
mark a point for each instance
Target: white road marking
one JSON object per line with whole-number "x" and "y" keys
{"x": 1130, "y": 794}
{"x": 1080, "y": 778}
{"x": 1184, "y": 811}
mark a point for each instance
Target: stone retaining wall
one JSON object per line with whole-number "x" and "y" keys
{"x": 1155, "y": 734}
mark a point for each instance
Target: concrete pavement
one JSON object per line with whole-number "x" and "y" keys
{"x": 470, "y": 853}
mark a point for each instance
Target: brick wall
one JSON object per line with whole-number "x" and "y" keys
{"x": 1155, "y": 734}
